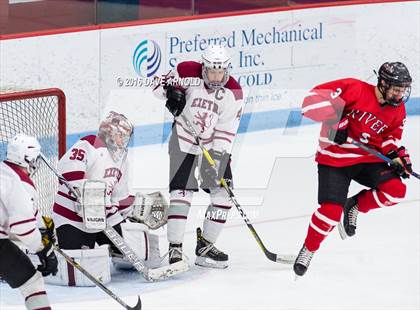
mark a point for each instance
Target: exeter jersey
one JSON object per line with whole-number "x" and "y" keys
{"x": 18, "y": 213}
{"x": 89, "y": 159}
{"x": 379, "y": 127}
{"x": 214, "y": 114}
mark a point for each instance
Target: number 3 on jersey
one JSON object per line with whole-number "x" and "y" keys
{"x": 77, "y": 154}
{"x": 365, "y": 138}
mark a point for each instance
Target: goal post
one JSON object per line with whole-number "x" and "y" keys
{"x": 39, "y": 113}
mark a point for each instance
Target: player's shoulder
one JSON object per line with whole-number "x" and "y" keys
{"x": 235, "y": 88}
{"x": 15, "y": 175}
{"x": 189, "y": 69}
{"x": 92, "y": 141}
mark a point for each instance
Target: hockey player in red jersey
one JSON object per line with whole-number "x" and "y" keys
{"x": 213, "y": 107}
{"x": 18, "y": 221}
{"x": 373, "y": 115}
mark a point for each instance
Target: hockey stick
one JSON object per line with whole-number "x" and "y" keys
{"x": 378, "y": 154}
{"x": 149, "y": 274}
{"x": 284, "y": 259}
{"x": 72, "y": 262}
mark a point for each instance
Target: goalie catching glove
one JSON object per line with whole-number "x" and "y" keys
{"x": 150, "y": 209}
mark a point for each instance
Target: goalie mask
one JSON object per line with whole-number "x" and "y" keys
{"x": 394, "y": 83}
{"x": 116, "y": 131}
{"x": 216, "y": 66}
{"x": 24, "y": 151}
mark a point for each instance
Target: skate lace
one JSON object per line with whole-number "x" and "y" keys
{"x": 175, "y": 253}
{"x": 304, "y": 257}
{"x": 353, "y": 212}
{"x": 210, "y": 248}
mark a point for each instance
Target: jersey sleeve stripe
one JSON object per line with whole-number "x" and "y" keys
{"x": 22, "y": 222}
{"x": 64, "y": 212}
{"x": 225, "y": 132}
{"x": 222, "y": 138}
{"x": 126, "y": 202}
{"x": 74, "y": 175}
{"x": 316, "y": 106}
{"x": 67, "y": 196}
{"x": 26, "y": 233}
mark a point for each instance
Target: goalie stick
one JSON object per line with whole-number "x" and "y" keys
{"x": 149, "y": 274}
{"x": 72, "y": 262}
{"x": 341, "y": 229}
{"x": 284, "y": 259}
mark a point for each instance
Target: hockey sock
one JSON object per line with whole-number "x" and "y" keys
{"x": 387, "y": 194}
{"x": 323, "y": 221}
{"x": 179, "y": 206}
{"x": 34, "y": 293}
{"x": 216, "y": 214}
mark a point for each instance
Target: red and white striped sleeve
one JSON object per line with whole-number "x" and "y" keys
{"x": 22, "y": 220}
{"x": 326, "y": 102}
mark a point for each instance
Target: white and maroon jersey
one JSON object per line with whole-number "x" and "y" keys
{"x": 18, "y": 213}
{"x": 215, "y": 114}
{"x": 379, "y": 127}
{"x": 89, "y": 159}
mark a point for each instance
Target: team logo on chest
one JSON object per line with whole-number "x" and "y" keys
{"x": 205, "y": 104}
{"x": 203, "y": 120}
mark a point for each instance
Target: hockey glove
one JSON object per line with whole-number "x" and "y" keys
{"x": 46, "y": 255}
{"x": 338, "y": 132}
{"x": 401, "y": 162}
{"x": 211, "y": 176}
{"x": 176, "y": 100}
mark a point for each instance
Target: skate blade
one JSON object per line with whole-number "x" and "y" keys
{"x": 168, "y": 271}
{"x": 342, "y": 231}
{"x": 209, "y": 263}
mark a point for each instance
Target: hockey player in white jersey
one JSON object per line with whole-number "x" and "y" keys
{"x": 102, "y": 158}
{"x": 94, "y": 157}
{"x": 213, "y": 107}
{"x": 18, "y": 220}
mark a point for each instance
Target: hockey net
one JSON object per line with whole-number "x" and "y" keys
{"x": 40, "y": 113}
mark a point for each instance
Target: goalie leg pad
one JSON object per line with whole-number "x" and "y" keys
{"x": 144, "y": 244}
{"x": 95, "y": 261}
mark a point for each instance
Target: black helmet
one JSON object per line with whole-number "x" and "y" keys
{"x": 394, "y": 74}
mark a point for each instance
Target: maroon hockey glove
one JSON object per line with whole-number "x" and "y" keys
{"x": 402, "y": 163}
{"x": 338, "y": 132}
{"x": 176, "y": 99}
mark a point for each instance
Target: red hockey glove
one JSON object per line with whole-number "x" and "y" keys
{"x": 401, "y": 162}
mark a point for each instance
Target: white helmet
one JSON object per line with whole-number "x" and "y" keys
{"x": 116, "y": 130}
{"x": 25, "y": 152}
{"x": 215, "y": 57}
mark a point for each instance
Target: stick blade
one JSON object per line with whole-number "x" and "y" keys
{"x": 286, "y": 259}
{"x": 137, "y": 306}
